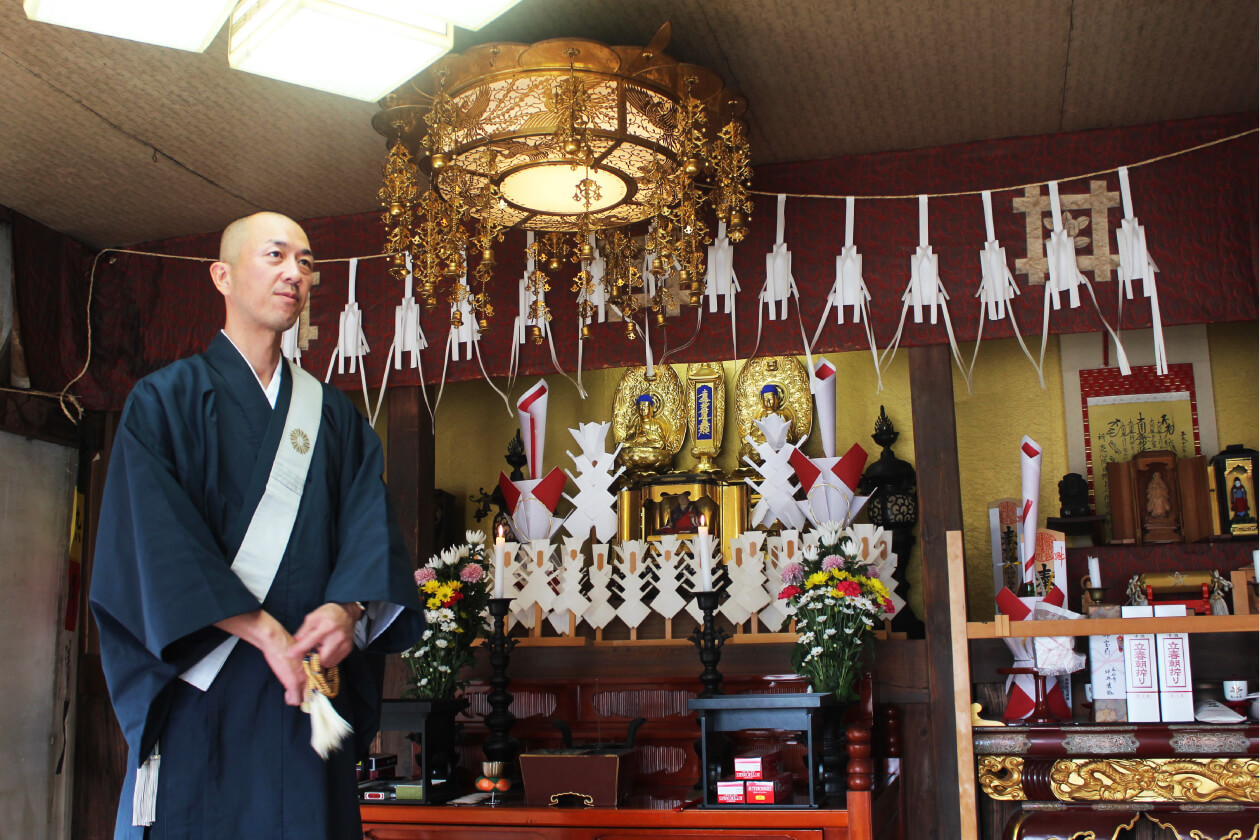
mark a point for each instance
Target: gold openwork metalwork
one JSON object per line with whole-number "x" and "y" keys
{"x": 788, "y": 395}
{"x": 1156, "y": 780}
{"x": 649, "y": 419}
{"x": 570, "y": 137}
{"x": 1002, "y": 777}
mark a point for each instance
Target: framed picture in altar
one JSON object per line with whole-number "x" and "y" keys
{"x": 1111, "y": 418}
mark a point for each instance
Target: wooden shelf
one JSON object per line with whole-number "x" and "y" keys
{"x": 1114, "y": 626}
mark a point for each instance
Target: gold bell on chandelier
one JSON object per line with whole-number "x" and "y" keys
{"x": 439, "y": 160}
{"x": 396, "y": 208}
{"x": 572, "y": 146}
{"x": 483, "y": 324}
{"x": 693, "y": 297}
{"x": 457, "y": 318}
{"x": 585, "y": 252}
{"x": 487, "y": 256}
{"x": 658, "y": 266}
{"x": 684, "y": 278}
{"x": 691, "y": 166}
{"x": 553, "y": 264}
{"x": 630, "y": 330}
{"x": 660, "y": 317}
{"x": 586, "y": 331}
{"x": 534, "y": 332}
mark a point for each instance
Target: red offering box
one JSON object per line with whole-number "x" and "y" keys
{"x": 762, "y": 764}
{"x": 730, "y": 792}
{"x": 768, "y": 792}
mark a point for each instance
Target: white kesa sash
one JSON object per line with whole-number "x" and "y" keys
{"x": 267, "y": 537}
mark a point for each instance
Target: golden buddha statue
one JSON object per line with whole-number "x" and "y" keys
{"x": 646, "y": 436}
{"x": 648, "y": 419}
{"x": 771, "y": 385}
{"x": 772, "y": 402}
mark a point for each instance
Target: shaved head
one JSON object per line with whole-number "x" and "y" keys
{"x": 238, "y": 233}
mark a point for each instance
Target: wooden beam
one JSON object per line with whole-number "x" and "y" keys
{"x": 940, "y": 511}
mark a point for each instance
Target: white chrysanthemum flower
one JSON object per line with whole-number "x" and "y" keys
{"x": 442, "y": 643}
{"x": 461, "y": 552}
{"x": 474, "y": 537}
{"x": 428, "y": 634}
{"x": 829, "y": 532}
{"x": 810, "y": 552}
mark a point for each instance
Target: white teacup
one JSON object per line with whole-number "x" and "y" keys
{"x": 1235, "y": 689}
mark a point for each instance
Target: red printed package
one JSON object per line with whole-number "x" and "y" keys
{"x": 730, "y": 792}
{"x": 761, "y": 764}
{"x": 766, "y": 792}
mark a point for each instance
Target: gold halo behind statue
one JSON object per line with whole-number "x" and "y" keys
{"x": 649, "y": 419}
{"x": 772, "y": 384}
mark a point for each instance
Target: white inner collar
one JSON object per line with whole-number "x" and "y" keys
{"x": 272, "y": 389}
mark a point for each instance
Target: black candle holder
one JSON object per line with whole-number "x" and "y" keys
{"x": 708, "y": 639}
{"x": 499, "y": 745}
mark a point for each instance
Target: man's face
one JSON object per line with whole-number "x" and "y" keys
{"x": 270, "y": 277}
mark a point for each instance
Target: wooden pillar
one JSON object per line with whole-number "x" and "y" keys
{"x": 409, "y": 469}
{"x": 940, "y": 510}
{"x": 409, "y": 473}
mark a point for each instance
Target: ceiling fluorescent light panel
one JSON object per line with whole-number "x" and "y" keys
{"x": 181, "y": 24}
{"x": 360, "y": 48}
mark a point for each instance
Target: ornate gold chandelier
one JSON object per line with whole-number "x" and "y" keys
{"x": 620, "y": 149}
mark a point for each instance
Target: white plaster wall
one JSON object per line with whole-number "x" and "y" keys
{"x": 36, "y": 653}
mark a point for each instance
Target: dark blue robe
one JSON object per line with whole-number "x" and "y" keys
{"x": 189, "y": 464}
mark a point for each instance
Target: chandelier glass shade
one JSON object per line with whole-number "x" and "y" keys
{"x": 568, "y": 137}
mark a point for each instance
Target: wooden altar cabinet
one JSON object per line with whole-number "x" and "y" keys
{"x": 1200, "y": 780}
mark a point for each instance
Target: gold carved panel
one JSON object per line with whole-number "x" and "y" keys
{"x": 1156, "y": 780}
{"x": 1001, "y": 777}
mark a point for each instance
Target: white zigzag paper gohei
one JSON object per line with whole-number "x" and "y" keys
{"x": 594, "y": 505}
{"x": 873, "y": 546}
{"x": 1136, "y": 263}
{"x": 778, "y": 493}
{"x": 631, "y": 565}
{"x": 539, "y": 588}
{"x": 747, "y": 567}
{"x": 599, "y": 573}
{"x": 511, "y": 580}
{"x": 779, "y": 281}
{"x": 774, "y": 613}
{"x": 351, "y": 341}
{"x": 668, "y": 601}
{"x": 569, "y": 600}
{"x": 408, "y": 335}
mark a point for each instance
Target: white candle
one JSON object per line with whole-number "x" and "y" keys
{"x": 1095, "y": 579}
{"x": 1255, "y": 561}
{"x": 499, "y": 570}
{"x": 706, "y": 562}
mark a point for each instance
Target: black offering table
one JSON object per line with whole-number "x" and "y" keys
{"x": 790, "y": 712}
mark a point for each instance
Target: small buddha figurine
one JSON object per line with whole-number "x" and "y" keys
{"x": 645, "y": 446}
{"x": 772, "y": 403}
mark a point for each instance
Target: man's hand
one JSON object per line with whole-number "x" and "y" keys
{"x": 328, "y": 630}
{"x": 262, "y": 631}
